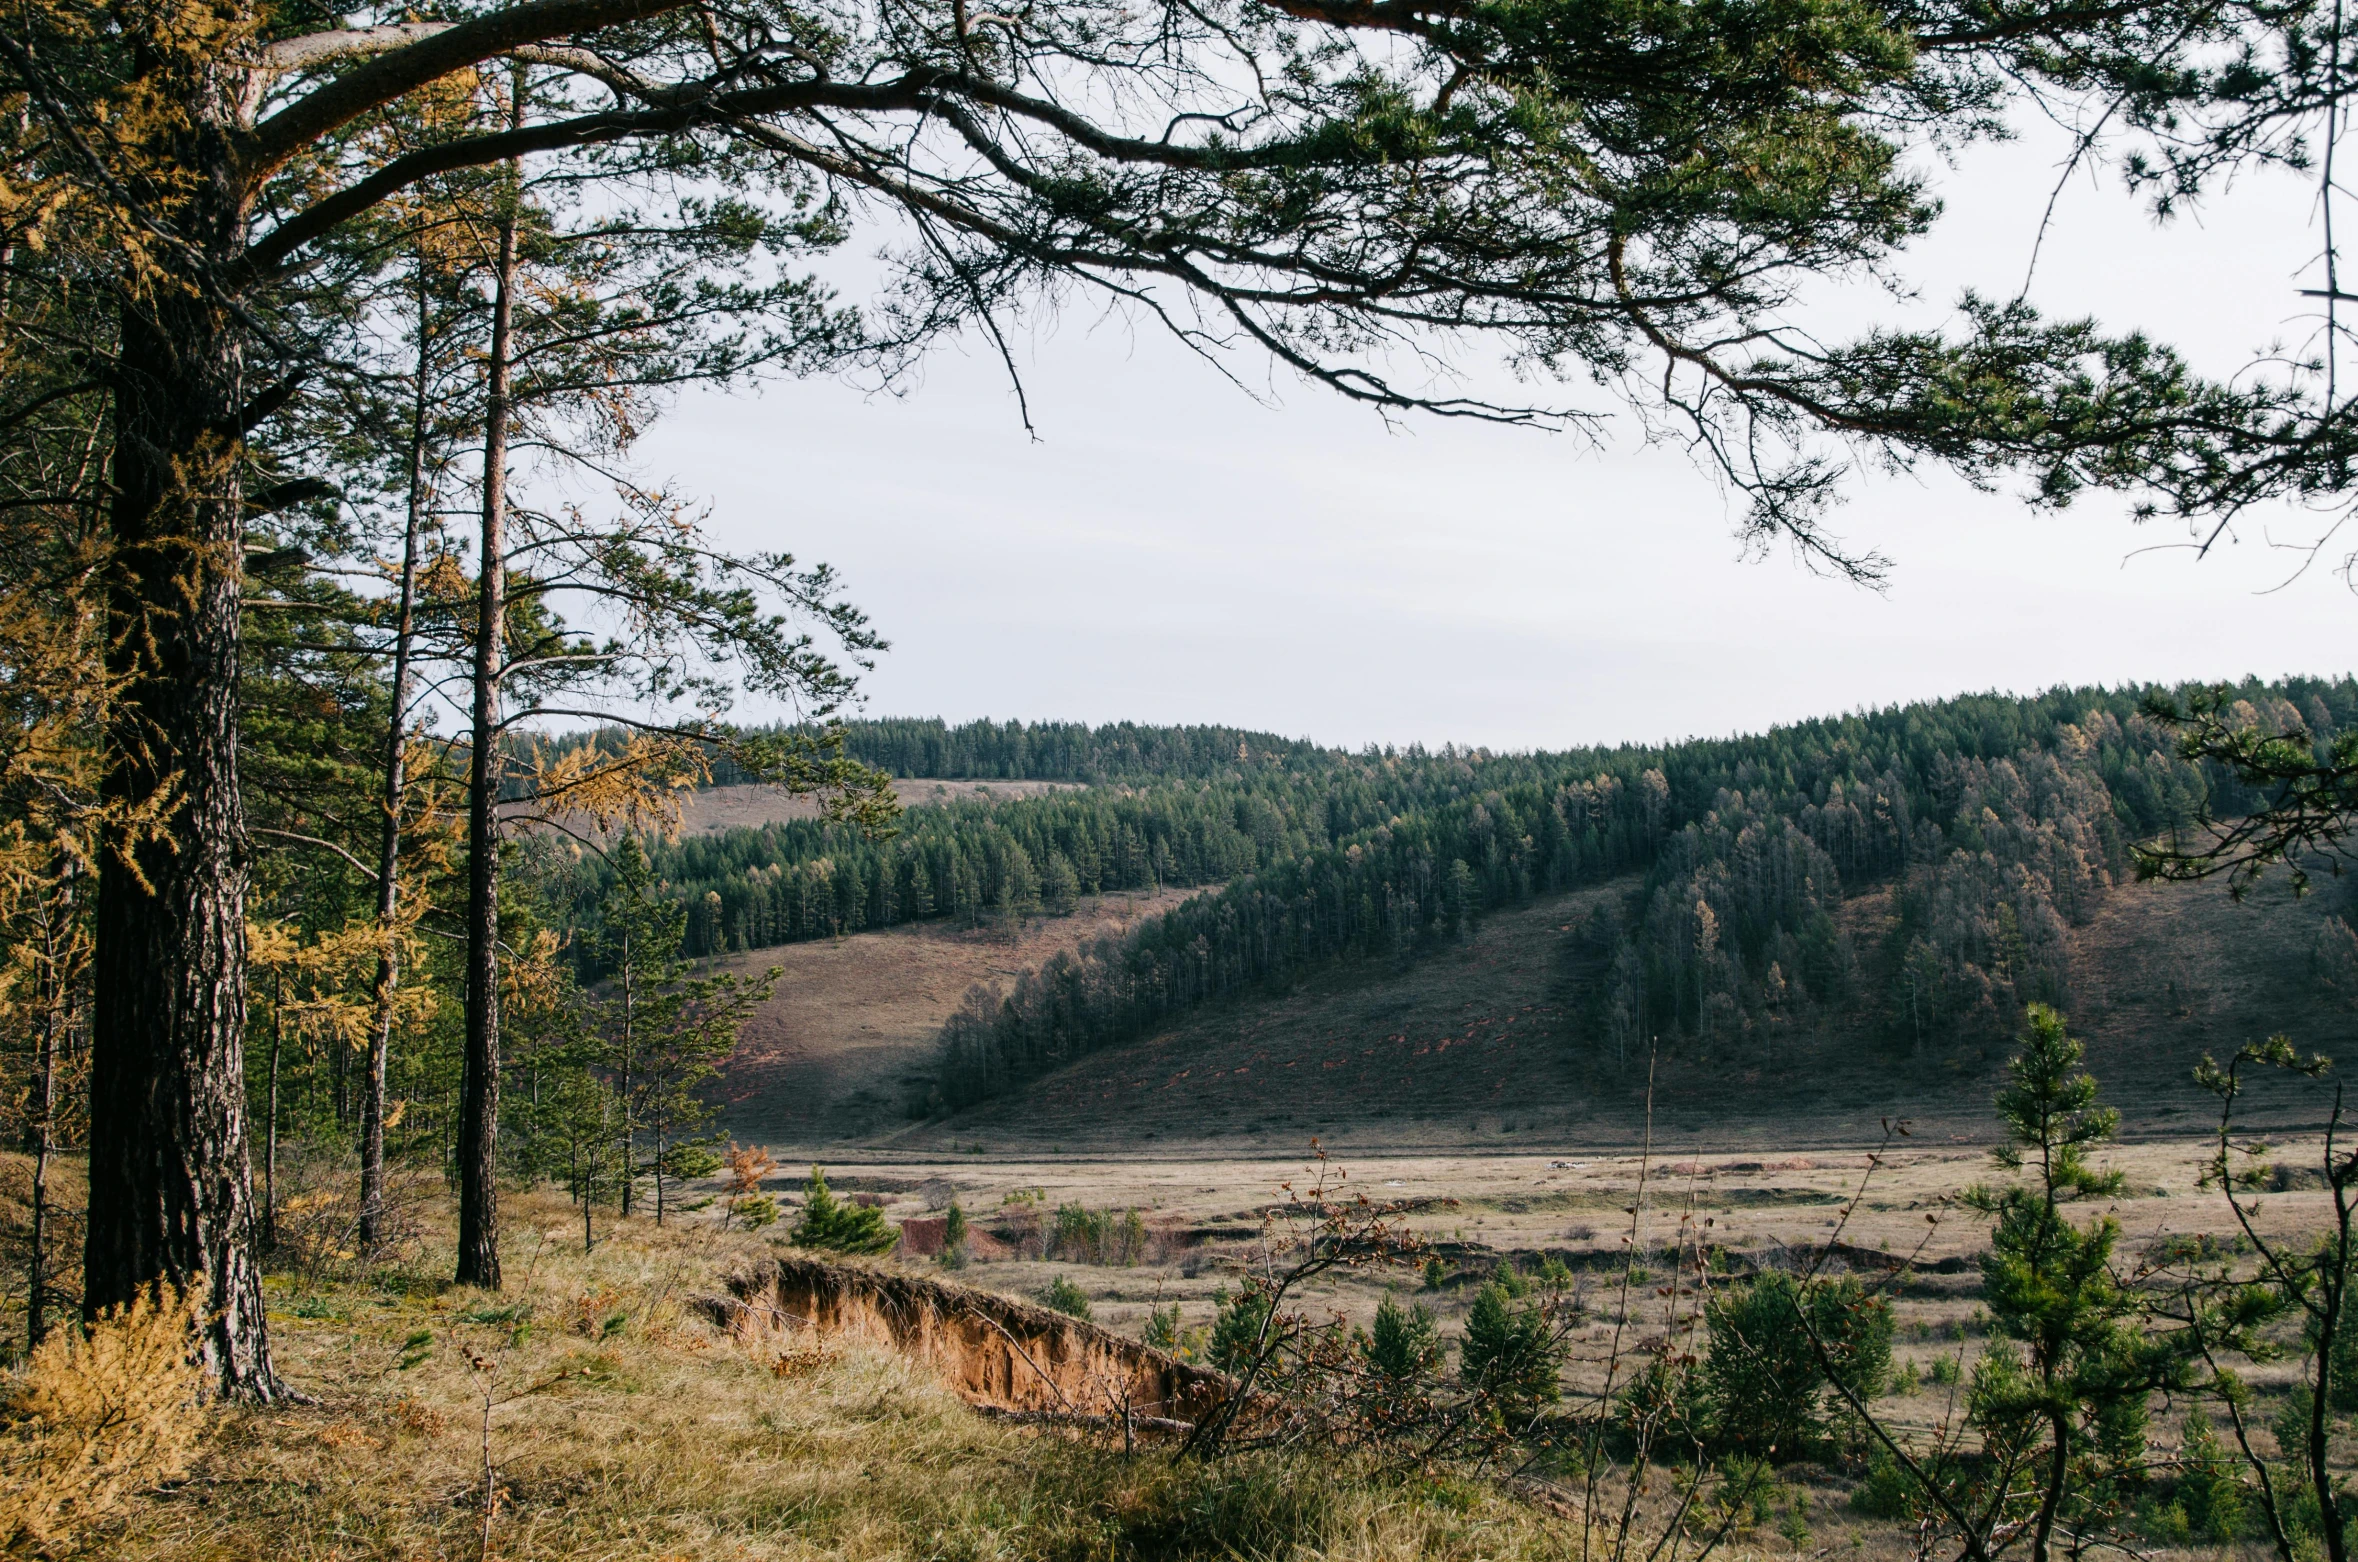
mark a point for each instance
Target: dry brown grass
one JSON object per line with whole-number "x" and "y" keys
{"x": 617, "y": 1424}
{"x": 622, "y": 1427}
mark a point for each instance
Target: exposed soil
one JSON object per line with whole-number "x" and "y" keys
{"x": 850, "y": 1030}
{"x": 990, "y": 1350}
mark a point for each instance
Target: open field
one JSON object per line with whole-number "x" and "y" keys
{"x": 834, "y": 1052}
{"x": 1205, "y": 1213}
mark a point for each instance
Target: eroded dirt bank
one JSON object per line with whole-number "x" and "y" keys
{"x": 992, "y": 1351}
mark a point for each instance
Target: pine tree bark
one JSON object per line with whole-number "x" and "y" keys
{"x": 171, "y": 1194}
{"x": 478, "y": 1248}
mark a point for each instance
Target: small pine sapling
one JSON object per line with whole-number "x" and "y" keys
{"x": 1404, "y": 1346}
{"x": 1510, "y": 1354}
{"x": 833, "y": 1227}
{"x": 954, "y": 1235}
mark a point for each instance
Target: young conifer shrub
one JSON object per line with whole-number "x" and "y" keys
{"x": 2210, "y": 1492}
{"x": 1509, "y": 1353}
{"x": 1764, "y": 1388}
{"x": 955, "y": 1231}
{"x": 1405, "y": 1344}
{"x": 1162, "y": 1329}
{"x": 1237, "y": 1328}
{"x": 1067, "y": 1298}
{"x": 834, "y": 1227}
{"x": 95, "y": 1414}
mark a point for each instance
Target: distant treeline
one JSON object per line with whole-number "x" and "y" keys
{"x": 931, "y": 749}
{"x": 1998, "y": 821}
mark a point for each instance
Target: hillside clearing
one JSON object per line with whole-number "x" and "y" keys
{"x": 851, "y": 1027}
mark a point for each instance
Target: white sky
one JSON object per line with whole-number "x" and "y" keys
{"x": 1171, "y": 550}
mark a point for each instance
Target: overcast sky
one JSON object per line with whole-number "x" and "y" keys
{"x": 1172, "y": 550}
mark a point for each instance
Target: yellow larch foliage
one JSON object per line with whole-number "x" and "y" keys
{"x": 97, "y": 1413}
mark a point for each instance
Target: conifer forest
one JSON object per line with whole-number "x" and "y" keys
{"x": 519, "y": 1039}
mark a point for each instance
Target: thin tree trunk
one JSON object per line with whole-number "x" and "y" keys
{"x": 44, "y": 1128}
{"x": 2051, "y": 1501}
{"x": 478, "y": 1243}
{"x": 629, "y": 1037}
{"x": 278, "y": 1036}
{"x": 380, "y": 1041}
{"x": 171, "y": 1193}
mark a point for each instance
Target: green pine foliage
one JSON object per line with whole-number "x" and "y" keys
{"x": 1996, "y": 823}
{"x": 1237, "y": 1328}
{"x": 1163, "y": 1331}
{"x": 2068, "y": 1391}
{"x": 1097, "y": 1236}
{"x": 1764, "y": 1390}
{"x": 1509, "y": 1354}
{"x": 657, "y": 1032}
{"x": 834, "y": 1227}
{"x": 2210, "y": 1488}
{"x": 1404, "y": 1345}
{"x": 989, "y": 750}
{"x": 1065, "y": 1297}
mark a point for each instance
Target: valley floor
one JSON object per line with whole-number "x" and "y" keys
{"x": 619, "y": 1423}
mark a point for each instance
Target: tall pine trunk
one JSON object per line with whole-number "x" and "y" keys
{"x": 478, "y": 1247}
{"x": 171, "y": 1194}
{"x": 396, "y": 780}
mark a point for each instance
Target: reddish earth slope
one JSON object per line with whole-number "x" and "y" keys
{"x": 851, "y": 1025}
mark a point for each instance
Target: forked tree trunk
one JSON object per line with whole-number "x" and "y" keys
{"x": 171, "y": 1195}
{"x": 478, "y": 1169}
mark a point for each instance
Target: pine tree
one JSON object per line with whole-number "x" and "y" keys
{"x": 1509, "y": 1355}
{"x": 663, "y": 1030}
{"x": 1763, "y": 1386}
{"x": 2072, "y": 1399}
{"x": 833, "y": 1227}
{"x": 1404, "y": 1345}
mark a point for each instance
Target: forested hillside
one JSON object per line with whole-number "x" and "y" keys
{"x": 808, "y": 878}
{"x": 1992, "y": 823}
{"x": 1024, "y": 751}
